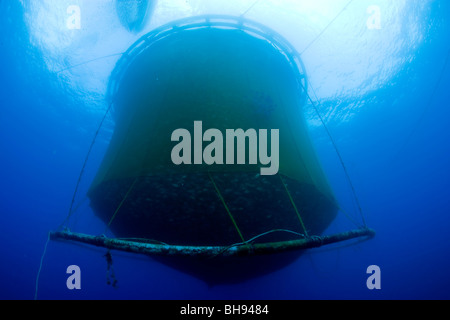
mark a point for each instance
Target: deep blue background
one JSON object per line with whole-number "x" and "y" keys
{"x": 398, "y": 159}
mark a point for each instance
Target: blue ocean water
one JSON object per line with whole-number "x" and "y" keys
{"x": 383, "y": 92}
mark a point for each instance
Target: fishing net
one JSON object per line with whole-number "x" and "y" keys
{"x": 221, "y": 73}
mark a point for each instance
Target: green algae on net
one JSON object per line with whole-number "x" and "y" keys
{"x": 218, "y": 222}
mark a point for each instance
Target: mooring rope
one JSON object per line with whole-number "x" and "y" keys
{"x": 89, "y": 61}
{"x": 251, "y": 7}
{"x": 293, "y": 204}
{"x": 84, "y": 165}
{"x": 121, "y": 204}
{"x": 239, "y": 244}
{"x": 40, "y": 267}
{"x": 219, "y": 194}
{"x": 341, "y": 160}
{"x": 326, "y": 28}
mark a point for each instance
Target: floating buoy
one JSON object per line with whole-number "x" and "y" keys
{"x": 134, "y": 14}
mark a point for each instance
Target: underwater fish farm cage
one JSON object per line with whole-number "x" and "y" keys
{"x": 211, "y": 219}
